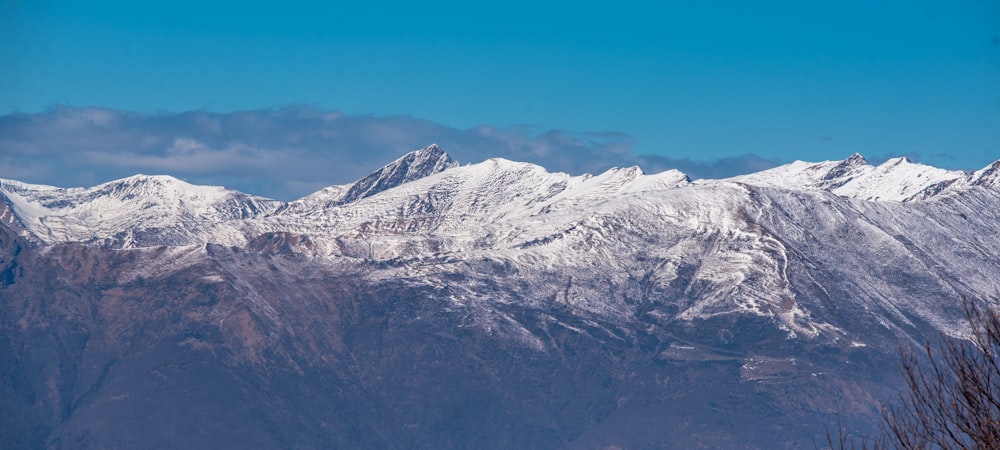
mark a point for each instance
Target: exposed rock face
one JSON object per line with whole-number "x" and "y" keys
{"x": 486, "y": 306}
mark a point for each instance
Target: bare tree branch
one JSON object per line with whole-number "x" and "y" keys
{"x": 953, "y": 397}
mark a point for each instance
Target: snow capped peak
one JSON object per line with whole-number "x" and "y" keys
{"x": 159, "y": 207}
{"x": 631, "y": 172}
{"x": 411, "y": 166}
{"x": 844, "y": 172}
{"x": 130, "y": 182}
{"x": 802, "y": 175}
{"x": 143, "y": 178}
{"x": 856, "y": 159}
{"x": 896, "y": 179}
{"x": 988, "y": 176}
{"x": 431, "y": 152}
{"x": 506, "y": 164}
{"x": 430, "y": 157}
{"x": 8, "y": 185}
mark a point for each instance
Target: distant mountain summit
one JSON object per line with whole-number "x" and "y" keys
{"x": 140, "y": 210}
{"x": 410, "y": 167}
{"x": 897, "y": 179}
{"x": 490, "y": 305}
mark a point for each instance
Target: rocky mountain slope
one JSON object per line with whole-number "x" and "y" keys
{"x": 492, "y": 305}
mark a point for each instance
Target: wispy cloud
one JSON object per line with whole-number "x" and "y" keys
{"x": 290, "y": 152}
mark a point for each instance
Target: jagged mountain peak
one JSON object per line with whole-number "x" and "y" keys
{"x": 407, "y": 168}
{"x": 430, "y": 158}
{"x": 856, "y": 159}
{"x": 897, "y": 179}
{"x": 144, "y": 178}
{"x": 844, "y": 172}
{"x": 988, "y": 176}
{"x": 412, "y": 166}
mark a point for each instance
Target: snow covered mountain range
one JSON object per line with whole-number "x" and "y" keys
{"x": 830, "y": 258}
{"x": 744, "y": 234}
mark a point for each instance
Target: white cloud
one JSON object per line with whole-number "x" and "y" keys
{"x": 185, "y": 146}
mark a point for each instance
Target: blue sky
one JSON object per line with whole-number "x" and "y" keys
{"x": 781, "y": 80}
